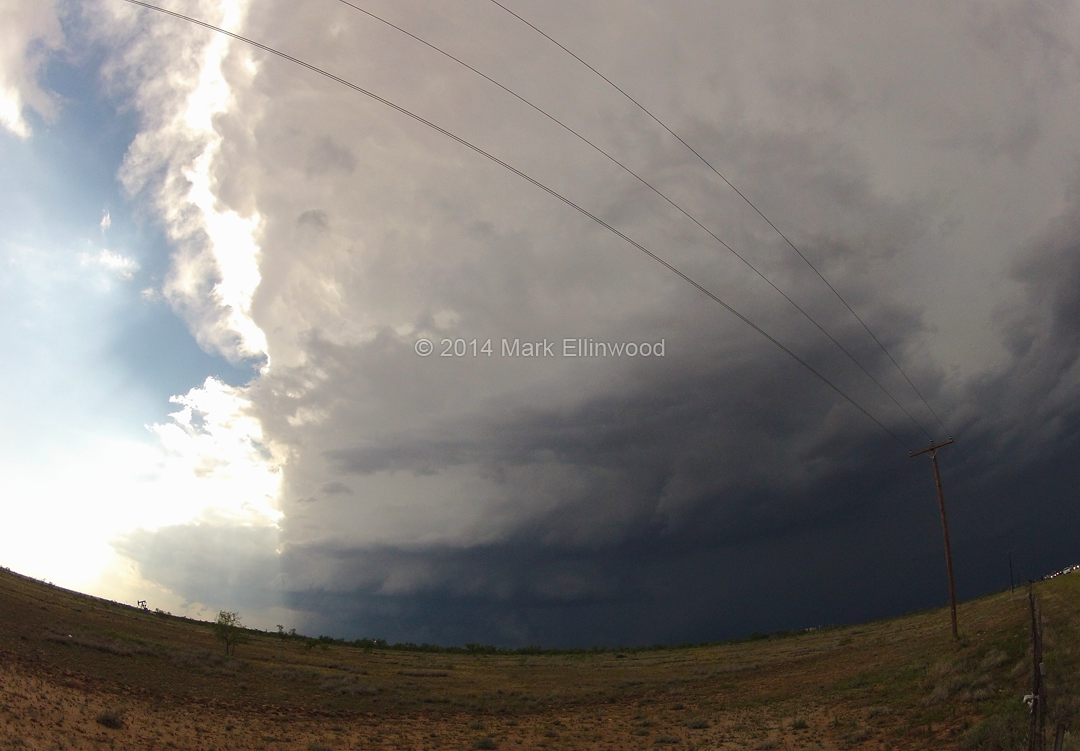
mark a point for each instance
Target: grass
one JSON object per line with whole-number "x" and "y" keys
{"x": 900, "y": 683}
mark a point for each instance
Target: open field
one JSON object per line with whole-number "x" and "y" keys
{"x": 79, "y": 673}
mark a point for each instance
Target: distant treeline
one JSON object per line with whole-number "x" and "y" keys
{"x": 491, "y": 649}
{"x": 325, "y": 642}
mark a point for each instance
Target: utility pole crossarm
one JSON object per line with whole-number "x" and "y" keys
{"x": 931, "y": 447}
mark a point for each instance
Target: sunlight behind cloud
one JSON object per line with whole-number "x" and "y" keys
{"x": 231, "y": 236}
{"x": 215, "y": 270}
{"x": 11, "y": 113}
{"x": 219, "y": 465}
{"x": 22, "y": 25}
{"x": 235, "y": 253}
{"x": 211, "y": 465}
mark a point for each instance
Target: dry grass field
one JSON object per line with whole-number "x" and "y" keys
{"x": 82, "y": 673}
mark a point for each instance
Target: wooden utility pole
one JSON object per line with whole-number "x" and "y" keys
{"x": 932, "y": 450}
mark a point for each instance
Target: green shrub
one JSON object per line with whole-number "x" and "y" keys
{"x": 111, "y": 719}
{"x": 227, "y": 629}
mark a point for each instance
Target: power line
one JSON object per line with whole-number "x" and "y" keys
{"x": 741, "y": 195}
{"x": 655, "y": 190}
{"x": 538, "y": 184}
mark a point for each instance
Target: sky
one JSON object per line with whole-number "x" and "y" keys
{"x": 268, "y": 344}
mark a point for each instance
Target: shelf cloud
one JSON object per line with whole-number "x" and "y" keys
{"x": 923, "y": 159}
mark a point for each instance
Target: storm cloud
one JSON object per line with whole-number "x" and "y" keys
{"x": 922, "y": 158}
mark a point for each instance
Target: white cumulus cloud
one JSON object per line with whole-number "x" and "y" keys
{"x": 220, "y": 463}
{"x": 184, "y": 90}
{"x": 117, "y": 263}
{"x": 27, "y": 29}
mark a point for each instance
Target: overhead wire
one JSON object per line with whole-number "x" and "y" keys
{"x": 655, "y": 190}
{"x": 550, "y": 191}
{"x": 741, "y": 195}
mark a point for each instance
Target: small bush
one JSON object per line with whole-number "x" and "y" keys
{"x": 799, "y": 725}
{"x": 665, "y": 739}
{"x": 858, "y": 736}
{"x": 944, "y": 689}
{"x": 348, "y": 684}
{"x": 110, "y": 719}
{"x": 697, "y": 723}
{"x": 227, "y": 629}
{"x": 486, "y": 742}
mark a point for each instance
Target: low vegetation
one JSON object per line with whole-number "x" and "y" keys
{"x": 76, "y": 672}
{"x": 111, "y": 719}
{"x": 228, "y": 629}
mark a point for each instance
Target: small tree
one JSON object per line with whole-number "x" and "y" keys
{"x": 227, "y": 629}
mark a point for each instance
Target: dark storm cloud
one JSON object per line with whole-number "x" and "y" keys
{"x": 879, "y": 553}
{"x": 857, "y": 545}
{"x": 751, "y": 513}
{"x": 721, "y": 488}
{"x": 1032, "y": 401}
{"x": 1048, "y": 326}
{"x": 685, "y": 436}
